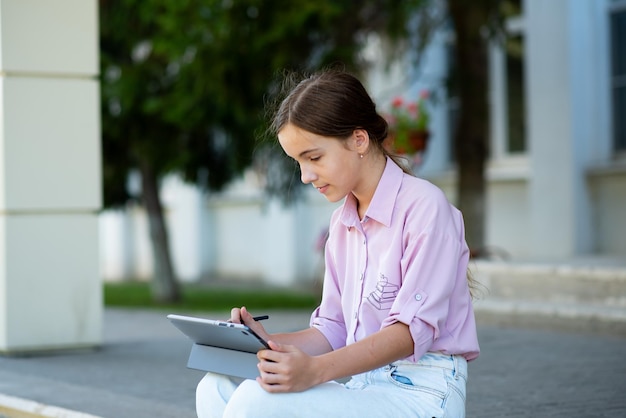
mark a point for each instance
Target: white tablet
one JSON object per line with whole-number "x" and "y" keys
{"x": 220, "y": 334}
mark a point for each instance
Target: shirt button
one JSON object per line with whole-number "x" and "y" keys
{"x": 418, "y": 297}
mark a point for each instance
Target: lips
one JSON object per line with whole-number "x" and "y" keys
{"x": 322, "y": 189}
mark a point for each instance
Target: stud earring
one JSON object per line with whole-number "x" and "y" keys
{"x": 361, "y": 155}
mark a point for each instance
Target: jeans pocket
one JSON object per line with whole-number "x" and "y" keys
{"x": 401, "y": 379}
{"x": 429, "y": 380}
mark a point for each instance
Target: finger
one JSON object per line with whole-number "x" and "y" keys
{"x": 235, "y": 316}
{"x": 246, "y": 317}
{"x": 276, "y": 346}
{"x": 273, "y": 383}
{"x": 271, "y": 356}
{"x": 268, "y": 387}
{"x": 268, "y": 355}
{"x": 269, "y": 370}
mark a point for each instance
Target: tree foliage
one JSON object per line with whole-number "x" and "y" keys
{"x": 185, "y": 83}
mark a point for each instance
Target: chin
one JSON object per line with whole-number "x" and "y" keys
{"x": 334, "y": 198}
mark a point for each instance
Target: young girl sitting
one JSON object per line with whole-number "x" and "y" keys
{"x": 396, "y": 312}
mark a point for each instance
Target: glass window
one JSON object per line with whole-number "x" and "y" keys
{"x": 508, "y": 85}
{"x": 515, "y": 98}
{"x": 508, "y": 82}
{"x": 618, "y": 77}
{"x": 453, "y": 108}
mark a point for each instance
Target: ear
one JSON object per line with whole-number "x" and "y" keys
{"x": 361, "y": 140}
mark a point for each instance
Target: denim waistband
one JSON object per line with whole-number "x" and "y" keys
{"x": 456, "y": 363}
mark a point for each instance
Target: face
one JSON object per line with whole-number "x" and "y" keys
{"x": 332, "y": 166}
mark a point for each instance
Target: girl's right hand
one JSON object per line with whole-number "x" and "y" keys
{"x": 242, "y": 316}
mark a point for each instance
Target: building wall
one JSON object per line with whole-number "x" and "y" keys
{"x": 608, "y": 193}
{"x": 237, "y": 234}
{"x": 50, "y": 179}
{"x": 561, "y": 199}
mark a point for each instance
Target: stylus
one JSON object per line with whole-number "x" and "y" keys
{"x": 261, "y": 318}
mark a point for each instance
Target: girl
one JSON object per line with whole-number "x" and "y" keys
{"x": 396, "y": 312}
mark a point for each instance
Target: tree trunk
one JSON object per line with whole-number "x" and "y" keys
{"x": 471, "y": 135}
{"x": 164, "y": 286}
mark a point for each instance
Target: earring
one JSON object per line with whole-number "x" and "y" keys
{"x": 361, "y": 155}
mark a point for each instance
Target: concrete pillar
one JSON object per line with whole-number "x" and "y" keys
{"x": 50, "y": 175}
{"x": 559, "y": 127}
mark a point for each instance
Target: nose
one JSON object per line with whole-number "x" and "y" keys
{"x": 307, "y": 175}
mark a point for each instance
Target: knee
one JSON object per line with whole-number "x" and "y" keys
{"x": 249, "y": 400}
{"x": 212, "y": 394}
{"x": 207, "y": 386}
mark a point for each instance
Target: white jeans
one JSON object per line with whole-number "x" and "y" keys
{"x": 433, "y": 387}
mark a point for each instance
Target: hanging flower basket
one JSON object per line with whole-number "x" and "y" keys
{"x": 408, "y": 125}
{"x": 415, "y": 141}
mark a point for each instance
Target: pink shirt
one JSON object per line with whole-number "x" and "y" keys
{"x": 405, "y": 262}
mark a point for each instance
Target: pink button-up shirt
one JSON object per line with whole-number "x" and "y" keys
{"x": 406, "y": 261}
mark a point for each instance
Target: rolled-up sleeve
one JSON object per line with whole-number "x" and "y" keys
{"x": 430, "y": 268}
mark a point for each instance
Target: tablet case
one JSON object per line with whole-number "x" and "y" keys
{"x": 223, "y": 361}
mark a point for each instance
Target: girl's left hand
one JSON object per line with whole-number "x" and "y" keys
{"x": 285, "y": 368}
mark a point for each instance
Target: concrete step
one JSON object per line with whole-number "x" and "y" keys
{"x": 579, "y": 295}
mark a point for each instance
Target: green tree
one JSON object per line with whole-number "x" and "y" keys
{"x": 184, "y": 82}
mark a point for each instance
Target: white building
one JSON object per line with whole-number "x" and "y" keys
{"x": 556, "y": 176}
{"x": 50, "y": 176}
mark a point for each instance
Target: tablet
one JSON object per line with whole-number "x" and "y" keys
{"x": 220, "y": 334}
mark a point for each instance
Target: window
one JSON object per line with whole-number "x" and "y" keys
{"x": 515, "y": 97}
{"x": 453, "y": 101}
{"x": 508, "y": 86}
{"x": 507, "y": 80}
{"x": 618, "y": 73}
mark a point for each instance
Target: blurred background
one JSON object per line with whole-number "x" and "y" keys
{"x": 537, "y": 156}
{"x": 133, "y": 145}
{"x": 136, "y": 172}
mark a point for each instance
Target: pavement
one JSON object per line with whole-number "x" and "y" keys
{"x": 140, "y": 372}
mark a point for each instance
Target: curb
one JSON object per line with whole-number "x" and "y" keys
{"x": 563, "y": 317}
{"x": 12, "y": 407}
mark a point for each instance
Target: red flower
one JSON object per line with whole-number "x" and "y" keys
{"x": 405, "y": 119}
{"x": 412, "y": 108}
{"x": 397, "y": 102}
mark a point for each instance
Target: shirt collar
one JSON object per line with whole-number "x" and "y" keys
{"x": 383, "y": 201}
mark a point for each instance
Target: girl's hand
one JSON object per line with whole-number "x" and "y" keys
{"x": 235, "y": 315}
{"x": 285, "y": 368}
{"x": 242, "y": 316}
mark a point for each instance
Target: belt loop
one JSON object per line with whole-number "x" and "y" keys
{"x": 456, "y": 367}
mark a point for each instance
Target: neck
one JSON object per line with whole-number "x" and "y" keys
{"x": 372, "y": 170}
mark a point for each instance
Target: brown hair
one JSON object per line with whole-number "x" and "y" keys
{"x": 332, "y": 104}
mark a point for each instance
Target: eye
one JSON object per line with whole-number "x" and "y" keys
{"x": 315, "y": 158}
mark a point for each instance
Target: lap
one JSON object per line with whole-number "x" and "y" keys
{"x": 395, "y": 390}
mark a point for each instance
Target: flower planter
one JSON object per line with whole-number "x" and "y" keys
{"x": 408, "y": 143}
